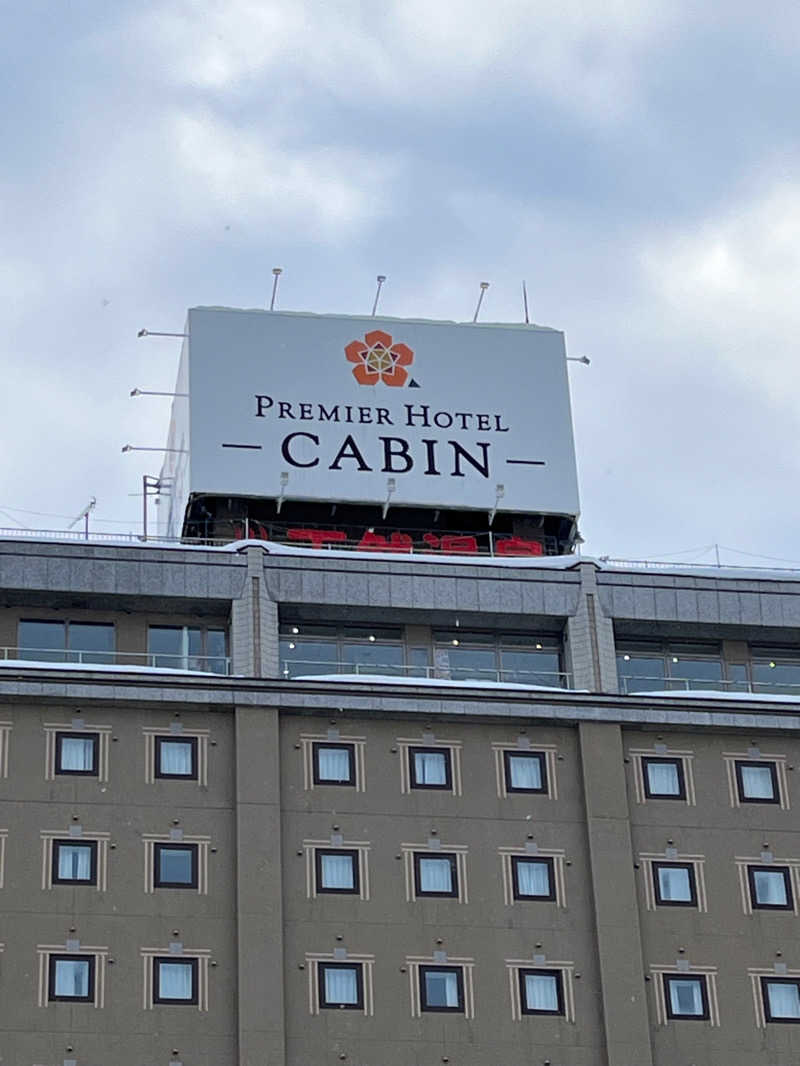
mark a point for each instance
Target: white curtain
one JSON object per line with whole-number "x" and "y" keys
{"x": 435, "y": 875}
{"x": 74, "y": 862}
{"x": 337, "y": 871}
{"x": 430, "y": 768}
{"x": 533, "y": 878}
{"x": 334, "y": 764}
{"x": 175, "y": 757}
{"x": 441, "y": 989}
{"x": 175, "y": 980}
{"x": 175, "y": 865}
{"x": 686, "y": 996}
{"x": 757, "y": 782}
{"x": 770, "y": 887}
{"x": 674, "y": 884}
{"x": 784, "y": 1000}
{"x": 77, "y": 753}
{"x": 526, "y": 772}
{"x": 662, "y": 779}
{"x": 341, "y": 985}
{"x": 72, "y": 977}
{"x": 541, "y": 991}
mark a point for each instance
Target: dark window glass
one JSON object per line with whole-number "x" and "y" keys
{"x": 71, "y": 978}
{"x": 533, "y": 878}
{"x": 74, "y": 862}
{"x": 757, "y": 782}
{"x": 689, "y": 673}
{"x": 76, "y": 754}
{"x": 441, "y": 988}
{"x": 187, "y": 648}
{"x": 772, "y": 675}
{"x": 541, "y": 991}
{"x": 430, "y": 768}
{"x": 334, "y": 764}
{"x": 674, "y": 884}
{"x": 176, "y": 757}
{"x": 43, "y": 641}
{"x": 663, "y": 778}
{"x": 341, "y": 985}
{"x": 530, "y": 667}
{"x": 174, "y": 980}
{"x": 90, "y": 642}
{"x": 641, "y": 673}
{"x": 73, "y": 642}
{"x": 781, "y": 996}
{"x": 526, "y": 771}
{"x": 435, "y": 874}
{"x": 175, "y": 866}
{"x": 373, "y": 658}
{"x": 686, "y": 996}
{"x": 770, "y": 888}
{"x": 337, "y": 871}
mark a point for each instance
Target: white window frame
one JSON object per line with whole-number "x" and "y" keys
{"x": 176, "y": 731}
{"x": 5, "y": 740}
{"x": 428, "y": 740}
{"x": 540, "y": 962}
{"x": 648, "y": 858}
{"x": 767, "y": 859}
{"x": 336, "y": 843}
{"x": 524, "y": 746}
{"x": 78, "y": 835}
{"x": 755, "y": 973}
{"x": 72, "y": 947}
{"x": 756, "y": 755}
{"x": 333, "y": 736}
{"x": 441, "y": 958}
{"x": 176, "y": 836}
{"x": 340, "y": 955}
{"x": 683, "y": 969}
{"x": 660, "y": 751}
{"x": 433, "y": 848}
{"x": 533, "y": 851}
{"x": 77, "y": 725}
{"x": 202, "y": 955}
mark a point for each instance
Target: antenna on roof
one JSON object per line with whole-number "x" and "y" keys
{"x": 90, "y": 506}
{"x": 525, "y": 302}
{"x": 380, "y": 279}
{"x": 276, "y": 273}
{"x": 484, "y": 287}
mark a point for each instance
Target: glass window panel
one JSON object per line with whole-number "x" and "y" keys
{"x": 91, "y": 642}
{"x": 775, "y": 676}
{"x": 541, "y": 992}
{"x": 176, "y": 865}
{"x": 696, "y": 673}
{"x": 530, "y": 667}
{"x": 71, "y": 978}
{"x": 373, "y": 659}
{"x": 524, "y": 771}
{"x": 176, "y": 757}
{"x": 301, "y": 658}
{"x": 165, "y": 646}
{"x": 42, "y": 641}
{"x": 76, "y": 754}
{"x": 640, "y": 673}
{"x": 663, "y": 779}
{"x": 333, "y": 764}
{"x": 674, "y": 884}
{"x": 441, "y": 988}
{"x": 363, "y": 633}
{"x": 435, "y": 874}
{"x": 430, "y": 767}
{"x": 533, "y": 878}
{"x": 464, "y": 637}
{"x": 337, "y": 871}
{"x": 175, "y": 980}
{"x": 216, "y": 651}
{"x": 737, "y": 677}
{"x": 341, "y": 984}
{"x": 770, "y": 888}
{"x": 476, "y": 664}
{"x": 74, "y": 862}
{"x": 418, "y": 662}
{"x": 686, "y": 996}
{"x": 784, "y": 999}
{"x": 757, "y": 782}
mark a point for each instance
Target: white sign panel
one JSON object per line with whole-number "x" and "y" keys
{"x": 339, "y": 408}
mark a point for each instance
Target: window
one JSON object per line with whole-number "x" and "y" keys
{"x": 430, "y": 768}
{"x": 663, "y": 778}
{"x": 533, "y": 878}
{"x": 435, "y": 874}
{"x": 775, "y": 670}
{"x": 441, "y": 988}
{"x": 686, "y": 996}
{"x": 341, "y": 985}
{"x": 781, "y": 996}
{"x": 525, "y": 771}
{"x": 674, "y": 884}
{"x": 757, "y": 782}
{"x": 74, "y": 862}
{"x": 541, "y": 991}
{"x": 337, "y": 871}
{"x": 770, "y": 888}
{"x": 176, "y": 757}
{"x": 307, "y": 649}
{"x": 334, "y": 764}
{"x": 175, "y": 866}
{"x": 646, "y": 666}
{"x": 76, "y": 753}
{"x": 524, "y": 658}
{"x": 71, "y": 978}
{"x": 66, "y": 642}
{"x": 187, "y": 648}
{"x": 174, "y": 980}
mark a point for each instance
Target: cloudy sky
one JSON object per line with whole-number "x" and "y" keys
{"x": 635, "y": 161}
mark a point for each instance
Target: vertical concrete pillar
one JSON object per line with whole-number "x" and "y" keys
{"x": 254, "y": 623}
{"x": 590, "y": 639}
{"x": 616, "y": 911}
{"x": 259, "y": 889}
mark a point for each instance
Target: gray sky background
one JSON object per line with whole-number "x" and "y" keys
{"x": 636, "y": 162}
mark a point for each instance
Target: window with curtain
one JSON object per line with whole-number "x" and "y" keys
{"x": 71, "y": 977}
{"x": 770, "y": 886}
{"x": 663, "y": 778}
{"x": 176, "y": 757}
{"x": 757, "y": 782}
{"x": 685, "y": 996}
{"x": 175, "y": 866}
{"x": 525, "y": 771}
{"x": 340, "y": 985}
{"x": 334, "y": 764}
{"x": 436, "y": 875}
{"x": 76, "y": 753}
{"x": 441, "y": 988}
{"x": 533, "y": 878}
{"x": 337, "y": 871}
{"x": 430, "y": 768}
{"x": 187, "y": 648}
{"x": 781, "y": 999}
{"x": 674, "y": 883}
{"x": 541, "y": 992}
{"x": 174, "y": 980}
{"x": 74, "y": 862}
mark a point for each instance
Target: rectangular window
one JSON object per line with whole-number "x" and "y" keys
{"x": 74, "y": 862}
{"x": 174, "y": 866}
{"x": 176, "y": 757}
{"x": 334, "y": 764}
{"x": 71, "y": 978}
{"x": 663, "y": 778}
{"x": 341, "y": 985}
{"x": 533, "y": 878}
{"x": 174, "y": 980}
{"x": 770, "y": 888}
{"x": 541, "y": 991}
{"x": 430, "y": 768}
{"x": 435, "y": 874}
{"x": 70, "y": 642}
{"x": 781, "y": 996}
{"x": 337, "y": 871}
{"x": 757, "y": 782}
{"x": 686, "y": 996}
{"x": 674, "y": 884}
{"x": 187, "y": 648}
{"x": 441, "y": 988}
{"x": 76, "y": 753}
{"x": 525, "y": 771}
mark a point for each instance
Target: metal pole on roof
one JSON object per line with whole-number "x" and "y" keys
{"x": 380, "y": 279}
{"x": 276, "y": 273}
{"x": 484, "y": 287}
{"x": 525, "y": 303}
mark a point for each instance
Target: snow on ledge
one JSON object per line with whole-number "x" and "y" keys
{"x": 432, "y": 682}
{"x": 116, "y": 668}
{"x": 720, "y": 694}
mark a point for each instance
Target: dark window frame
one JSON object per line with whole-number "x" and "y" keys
{"x": 452, "y": 858}
{"x": 752, "y": 869}
{"x": 423, "y": 1001}
{"x": 339, "y": 746}
{"x": 69, "y": 734}
{"x": 158, "y": 847}
{"x": 422, "y": 749}
{"x": 169, "y": 1001}
{"x": 175, "y": 738}
{"x": 359, "y": 970}
{"x": 739, "y": 764}
{"x": 668, "y": 978}
{"x": 776, "y": 979}
{"x": 551, "y": 877}
{"x": 508, "y": 754}
{"x": 660, "y": 760}
{"x": 60, "y": 956}
{"x": 73, "y": 842}
{"x": 535, "y": 971}
{"x": 676, "y": 864}
{"x": 354, "y": 855}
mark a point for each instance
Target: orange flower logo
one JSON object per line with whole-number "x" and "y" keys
{"x": 377, "y": 359}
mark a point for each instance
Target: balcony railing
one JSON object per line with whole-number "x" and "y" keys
{"x": 209, "y": 664}
{"x": 629, "y": 685}
{"x": 292, "y": 668}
